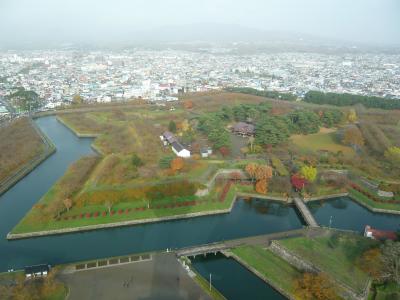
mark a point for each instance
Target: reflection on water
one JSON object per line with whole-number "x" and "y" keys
{"x": 344, "y": 213}
{"x": 233, "y": 280}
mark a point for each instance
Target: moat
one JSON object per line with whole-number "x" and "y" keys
{"x": 247, "y": 218}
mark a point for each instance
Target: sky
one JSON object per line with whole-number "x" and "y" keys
{"x": 374, "y": 22}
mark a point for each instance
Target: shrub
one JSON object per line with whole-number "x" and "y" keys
{"x": 136, "y": 160}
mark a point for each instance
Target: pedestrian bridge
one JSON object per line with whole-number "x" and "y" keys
{"x": 305, "y": 212}
{"x": 259, "y": 240}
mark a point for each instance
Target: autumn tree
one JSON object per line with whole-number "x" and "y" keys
{"x": 263, "y": 172}
{"x": 392, "y": 154}
{"x": 261, "y": 187}
{"x": 188, "y": 104}
{"x": 315, "y": 287}
{"x": 177, "y": 164}
{"x": 309, "y": 173}
{"x": 370, "y": 262}
{"x": 224, "y": 151}
{"x": 185, "y": 126}
{"x": 353, "y": 137}
{"x": 67, "y": 203}
{"x": 251, "y": 170}
{"x": 352, "y": 116}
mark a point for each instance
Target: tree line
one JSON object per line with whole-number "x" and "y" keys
{"x": 269, "y": 129}
{"x": 267, "y": 94}
{"x": 350, "y": 99}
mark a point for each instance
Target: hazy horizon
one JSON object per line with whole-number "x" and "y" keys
{"x": 59, "y": 21}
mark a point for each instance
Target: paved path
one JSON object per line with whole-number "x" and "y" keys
{"x": 305, "y": 212}
{"x": 162, "y": 277}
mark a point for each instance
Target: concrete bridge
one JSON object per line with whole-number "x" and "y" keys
{"x": 259, "y": 240}
{"x": 305, "y": 212}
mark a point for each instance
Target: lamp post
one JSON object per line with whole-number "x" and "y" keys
{"x": 210, "y": 281}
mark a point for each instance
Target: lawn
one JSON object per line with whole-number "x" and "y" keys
{"x": 335, "y": 255}
{"x": 277, "y": 270}
{"x": 322, "y": 141}
{"x": 124, "y": 211}
{"x": 364, "y": 199}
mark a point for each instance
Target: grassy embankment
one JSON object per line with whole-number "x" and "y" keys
{"x": 19, "y": 144}
{"x": 371, "y": 203}
{"x": 335, "y": 255}
{"x": 280, "y": 273}
{"x": 205, "y": 285}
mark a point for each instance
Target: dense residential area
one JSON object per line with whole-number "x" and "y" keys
{"x": 43, "y": 80}
{"x": 200, "y": 150}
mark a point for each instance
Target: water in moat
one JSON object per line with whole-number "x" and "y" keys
{"x": 246, "y": 219}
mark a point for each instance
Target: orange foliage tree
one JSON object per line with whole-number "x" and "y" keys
{"x": 177, "y": 164}
{"x": 315, "y": 287}
{"x": 262, "y": 186}
{"x": 262, "y": 174}
{"x": 188, "y": 104}
{"x": 251, "y": 170}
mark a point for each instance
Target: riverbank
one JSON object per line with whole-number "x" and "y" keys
{"x": 231, "y": 203}
{"x": 50, "y": 148}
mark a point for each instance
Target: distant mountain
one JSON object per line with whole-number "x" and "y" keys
{"x": 179, "y": 36}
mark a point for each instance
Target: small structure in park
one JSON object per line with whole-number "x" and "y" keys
{"x": 380, "y": 235}
{"x": 205, "y": 152}
{"x": 37, "y": 271}
{"x": 243, "y": 129}
{"x": 168, "y": 138}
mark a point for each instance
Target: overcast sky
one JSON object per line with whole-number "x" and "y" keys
{"x": 371, "y": 21}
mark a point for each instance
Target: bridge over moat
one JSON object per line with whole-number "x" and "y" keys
{"x": 260, "y": 240}
{"x": 305, "y": 212}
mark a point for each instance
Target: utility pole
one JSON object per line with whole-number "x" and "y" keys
{"x": 210, "y": 281}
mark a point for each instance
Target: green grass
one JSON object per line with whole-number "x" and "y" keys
{"x": 320, "y": 141}
{"x": 30, "y": 222}
{"x": 335, "y": 254}
{"x": 277, "y": 270}
{"x": 364, "y": 199}
{"x": 390, "y": 291}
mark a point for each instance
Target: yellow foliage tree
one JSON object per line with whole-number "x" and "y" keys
{"x": 309, "y": 173}
{"x": 393, "y": 155}
{"x": 352, "y": 116}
